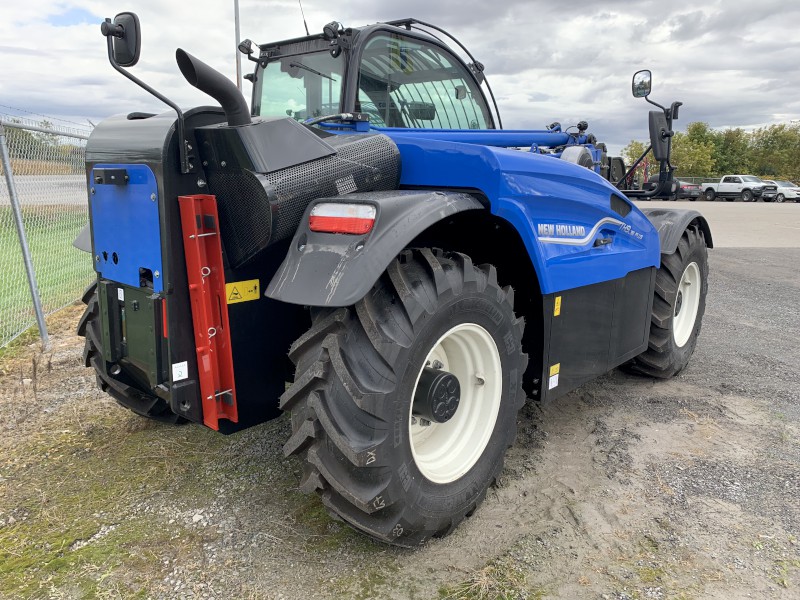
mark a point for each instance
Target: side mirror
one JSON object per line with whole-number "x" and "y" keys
{"x": 126, "y": 38}
{"x": 642, "y": 84}
{"x": 659, "y": 135}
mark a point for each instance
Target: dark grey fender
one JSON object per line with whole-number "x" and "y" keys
{"x": 84, "y": 239}
{"x": 325, "y": 269}
{"x": 671, "y": 223}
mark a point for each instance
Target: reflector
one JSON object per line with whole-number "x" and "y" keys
{"x": 355, "y": 219}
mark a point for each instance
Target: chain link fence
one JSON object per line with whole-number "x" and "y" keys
{"x": 48, "y": 173}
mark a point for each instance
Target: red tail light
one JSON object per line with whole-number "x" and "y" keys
{"x": 354, "y": 219}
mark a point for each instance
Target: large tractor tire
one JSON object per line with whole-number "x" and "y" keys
{"x": 404, "y": 405}
{"x": 679, "y": 303}
{"x": 128, "y": 396}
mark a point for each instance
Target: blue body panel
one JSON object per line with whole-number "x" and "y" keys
{"x": 125, "y": 223}
{"x": 560, "y": 209}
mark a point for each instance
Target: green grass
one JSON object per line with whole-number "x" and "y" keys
{"x": 62, "y": 271}
{"x": 64, "y": 485}
{"x": 500, "y": 579}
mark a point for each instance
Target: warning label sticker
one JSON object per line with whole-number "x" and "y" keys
{"x": 242, "y": 291}
{"x": 554, "y": 371}
{"x": 557, "y": 307}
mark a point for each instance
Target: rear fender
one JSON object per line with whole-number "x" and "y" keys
{"x": 671, "y": 223}
{"x": 326, "y": 269}
{"x": 84, "y": 240}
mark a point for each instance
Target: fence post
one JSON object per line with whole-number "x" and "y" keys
{"x": 23, "y": 241}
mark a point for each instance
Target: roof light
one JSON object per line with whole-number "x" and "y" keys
{"x": 329, "y": 217}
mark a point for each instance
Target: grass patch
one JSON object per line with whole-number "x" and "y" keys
{"x": 782, "y": 569}
{"x": 501, "y": 579}
{"x": 62, "y": 271}
{"x": 75, "y": 505}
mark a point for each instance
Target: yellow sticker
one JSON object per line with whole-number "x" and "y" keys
{"x": 557, "y": 309}
{"x": 242, "y": 291}
{"x": 554, "y": 370}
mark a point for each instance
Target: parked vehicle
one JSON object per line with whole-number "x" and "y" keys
{"x": 730, "y": 187}
{"x": 684, "y": 190}
{"x": 770, "y": 191}
{"x": 689, "y": 191}
{"x": 422, "y": 281}
{"x": 784, "y": 190}
{"x": 668, "y": 193}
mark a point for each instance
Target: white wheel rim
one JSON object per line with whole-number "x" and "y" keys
{"x": 687, "y": 302}
{"x": 444, "y": 452}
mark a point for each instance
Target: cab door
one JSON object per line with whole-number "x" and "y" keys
{"x": 730, "y": 185}
{"x": 408, "y": 82}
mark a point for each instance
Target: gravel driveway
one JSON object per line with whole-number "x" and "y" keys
{"x": 626, "y": 488}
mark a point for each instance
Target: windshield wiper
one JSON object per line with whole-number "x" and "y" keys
{"x": 302, "y": 66}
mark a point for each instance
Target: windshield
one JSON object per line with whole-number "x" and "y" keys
{"x": 751, "y": 178}
{"x": 405, "y": 82}
{"x": 301, "y": 87}
{"x": 785, "y": 184}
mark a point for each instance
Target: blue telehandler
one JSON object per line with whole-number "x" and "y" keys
{"x": 367, "y": 249}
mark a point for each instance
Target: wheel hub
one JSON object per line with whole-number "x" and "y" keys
{"x": 678, "y": 303}
{"x": 437, "y": 396}
{"x": 460, "y": 380}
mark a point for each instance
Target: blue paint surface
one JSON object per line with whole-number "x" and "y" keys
{"x": 125, "y": 222}
{"x": 529, "y": 190}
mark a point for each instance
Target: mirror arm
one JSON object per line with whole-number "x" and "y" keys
{"x": 664, "y": 108}
{"x": 184, "y": 159}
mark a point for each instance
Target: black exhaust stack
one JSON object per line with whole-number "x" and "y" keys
{"x": 216, "y": 85}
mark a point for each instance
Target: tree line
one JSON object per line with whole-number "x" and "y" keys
{"x": 30, "y": 150}
{"x": 772, "y": 152}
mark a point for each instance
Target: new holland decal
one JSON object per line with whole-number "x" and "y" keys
{"x": 577, "y": 235}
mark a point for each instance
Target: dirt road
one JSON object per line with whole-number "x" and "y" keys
{"x": 626, "y": 488}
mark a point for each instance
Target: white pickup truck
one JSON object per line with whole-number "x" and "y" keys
{"x": 746, "y": 187}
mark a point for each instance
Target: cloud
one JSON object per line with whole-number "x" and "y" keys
{"x": 731, "y": 64}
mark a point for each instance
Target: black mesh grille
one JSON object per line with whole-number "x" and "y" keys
{"x": 257, "y": 210}
{"x": 244, "y": 214}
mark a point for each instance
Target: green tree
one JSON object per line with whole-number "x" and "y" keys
{"x": 22, "y": 143}
{"x": 701, "y": 133}
{"x": 692, "y": 156}
{"x": 775, "y": 151}
{"x": 732, "y": 153}
{"x": 631, "y": 153}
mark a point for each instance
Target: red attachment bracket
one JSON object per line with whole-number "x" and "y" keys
{"x": 206, "y": 275}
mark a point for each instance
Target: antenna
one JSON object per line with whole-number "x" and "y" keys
{"x": 304, "y": 16}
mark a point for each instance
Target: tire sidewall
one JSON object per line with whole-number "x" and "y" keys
{"x": 498, "y": 320}
{"x": 682, "y": 354}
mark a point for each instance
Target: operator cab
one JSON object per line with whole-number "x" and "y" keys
{"x": 399, "y": 77}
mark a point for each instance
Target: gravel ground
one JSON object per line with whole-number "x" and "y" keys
{"x": 626, "y": 488}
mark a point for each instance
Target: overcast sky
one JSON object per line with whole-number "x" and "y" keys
{"x": 732, "y": 63}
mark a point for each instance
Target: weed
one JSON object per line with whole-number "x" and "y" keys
{"x": 501, "y": 579}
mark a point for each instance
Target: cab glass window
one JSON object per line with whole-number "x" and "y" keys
{"x": 405, "y": 82}
{"x": 302, "y": 87}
